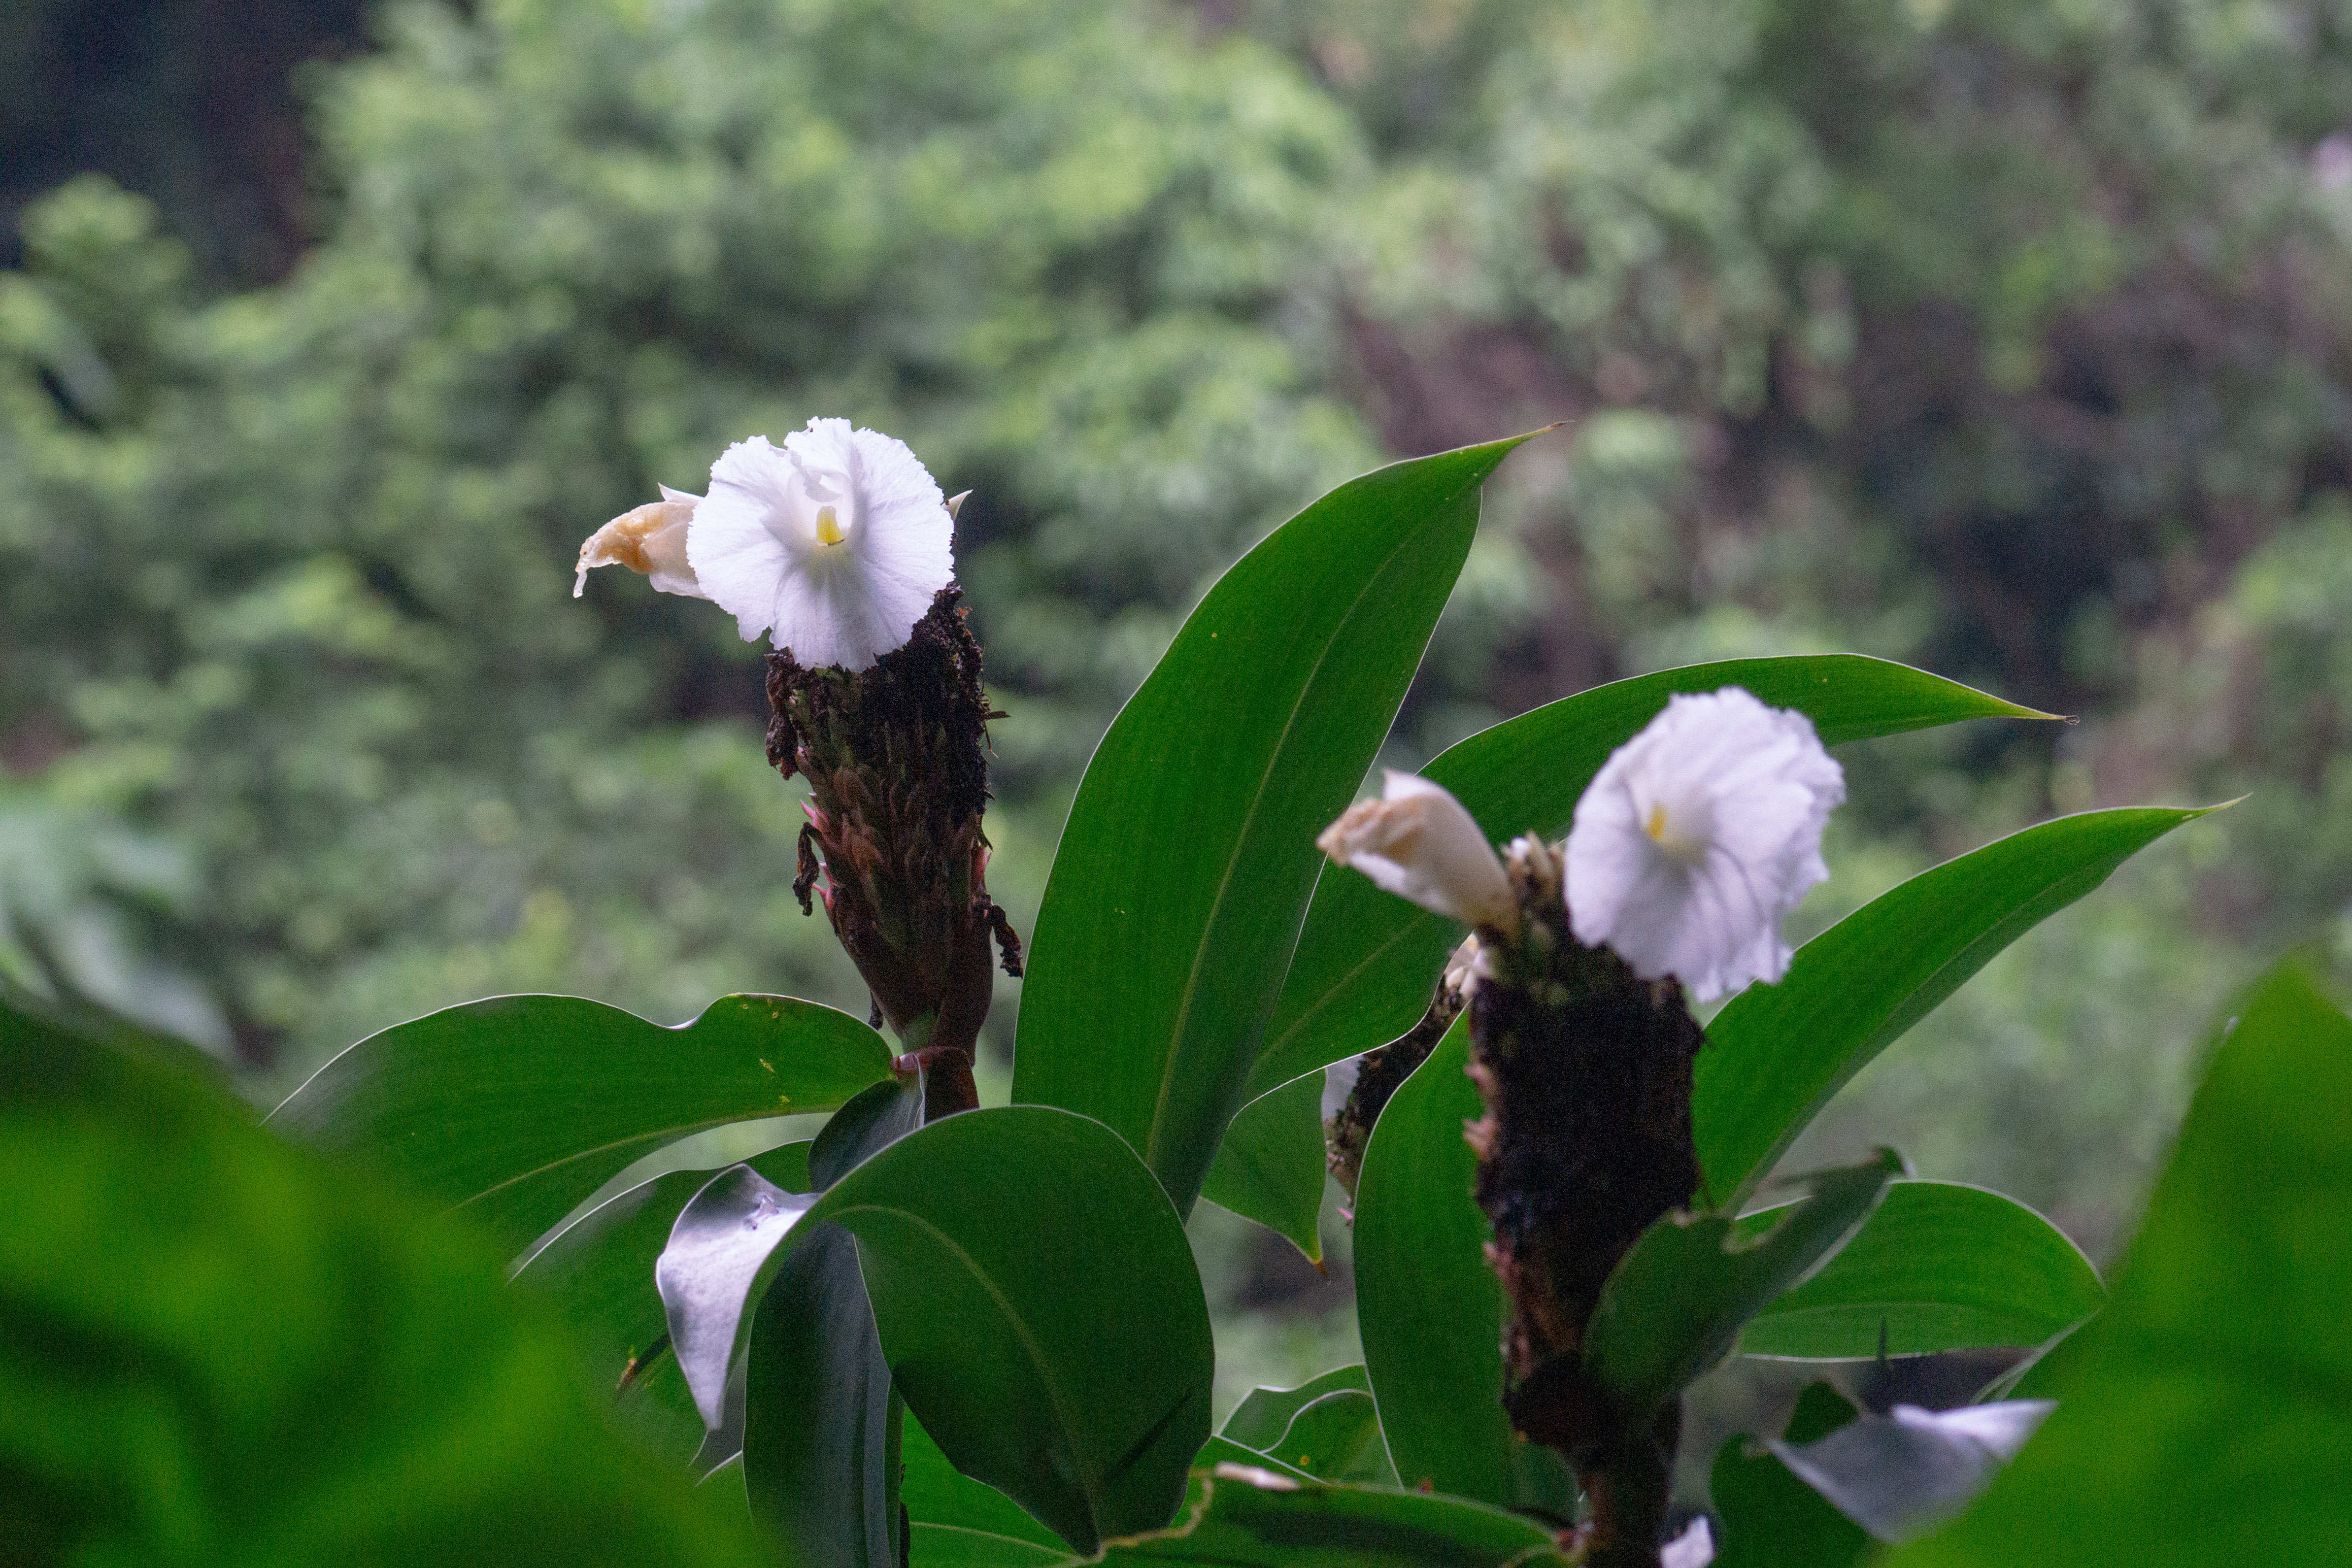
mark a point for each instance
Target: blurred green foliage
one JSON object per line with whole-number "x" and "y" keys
{"x": 220, "y": 1351}
{"x": 2008, "y": 337}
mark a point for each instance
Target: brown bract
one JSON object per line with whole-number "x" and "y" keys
{"x": 1585, "y": 1069}
{"x": 896, "y": 764}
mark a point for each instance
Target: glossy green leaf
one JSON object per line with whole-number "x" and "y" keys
{"x": 874, "y": 1118}
{"x": 1939, "y": 1266}
{"x": 1264, "y": 1413}
{"x": 821, "y": 1420}
{"x": 937, "y": 1493}
{"x": 1336, "y": 1437}
{"x": 1429, "y": 1310}
{"x": 220, "y": 1350}
{"x": 1176, "y": 893}
{"x": 2205, "y": 1415}
{"x": 953, "y": 1546}
{"x": 1239, "y": 1524}
{"x": 598, "y": 1269}
{"x": 517, "y": 1108}
{"x": 1776, "y": 1053}
{"x": 1034, "y": 1292}
{"x": 1677, "y": 1301}
{"x": 1270, "y": 1167}
{"x": 1366, "y": 960}
{"x": 1768, "y": 1518}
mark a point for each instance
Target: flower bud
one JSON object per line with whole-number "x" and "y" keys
{"x": 649, "y": 539}
{"x": 1418, "y": 842}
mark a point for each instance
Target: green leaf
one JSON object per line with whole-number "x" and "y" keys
{"x": 1264, "y": 1413}
{"x": 2204, "y": 1417}
{"x": 1238, "y": 1524}
{"x": 820, "y": 1416}
{"x": 1776, "y": 1053}
{"x": 1270, "y": 1166}
{"x": 1939, "y": 1266}
{"x": 221, "y": 1350}
{"x": 1676, "y": 1303}
{"x": 953, "y": 1546}
{"x": 1769, "y": 1518}
{"x": 1190, "y": 854}
{"x": 517, "y": 1108}
{"x": 1035, "y": 1296}
{"x": 1366, "y": 960}
{"x": 1336, "y": 1437}
{"x": 598, "y": 1269}
{"x": 937, "y": 1493}
{"x": 874, "y": 1119}
{"x": 1429, "y": 1311}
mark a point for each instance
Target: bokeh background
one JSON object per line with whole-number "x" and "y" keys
{"x": 2008, "y": 338}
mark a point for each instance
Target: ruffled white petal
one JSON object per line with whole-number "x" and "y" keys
{"x": 1697, "y": 836}
{"x": 836, "y": 543}
{"x": 1418, "y": 842}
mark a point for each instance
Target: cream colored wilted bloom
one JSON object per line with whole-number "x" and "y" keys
{"x": 1418, "y": 842}
{"x": 835, "y": 542}
{"x": 649, "y": 539}
{"x": 1697, "y": 835}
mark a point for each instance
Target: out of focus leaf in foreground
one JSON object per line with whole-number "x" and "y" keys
{"x": 214, "y": 1350}
{"x": 2207, "y": 1413}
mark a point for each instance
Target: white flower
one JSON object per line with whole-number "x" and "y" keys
{"x": 650, "y": 539}
{"x": 1697, "y": 835}
{"x": 838, "y": 541}
{"x": 1418, "y": 842}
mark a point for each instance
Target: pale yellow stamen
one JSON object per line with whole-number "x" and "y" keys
{"x": 1656, "y": 826}
{"x": 828, "y": 527}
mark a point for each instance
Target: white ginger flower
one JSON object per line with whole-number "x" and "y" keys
{"x": 1697, "y": 835}
{"x": 649, "y": 539}
{"x": 838, "y": 540}
{"x": 1418, "y": 842}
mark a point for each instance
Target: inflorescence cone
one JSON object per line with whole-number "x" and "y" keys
{"x": 895, "y": 756}
{"x": 1585, "y": 1069}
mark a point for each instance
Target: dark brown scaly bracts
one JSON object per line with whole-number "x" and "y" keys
{"x": 1384, "y": 1070}
{"x": 896, "y": 760}
{"x": 1586, "y": 1074}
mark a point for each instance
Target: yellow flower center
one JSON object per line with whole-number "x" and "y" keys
{"x": 1657, "y": 825}
{"x": 828, "y": 527}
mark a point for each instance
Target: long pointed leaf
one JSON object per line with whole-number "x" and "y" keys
{"x": 1674, "y": 1304}
{"x": 1940, "y": 1266}
{"x": 1270, "y": 1165}
{"x": 1430, "y": 1309}
{"x": 519, "y": 1107}
{"x": 1776, "y": 1053}
{"x": 1366, "y": 959}
{"x": 1190, "y": 852}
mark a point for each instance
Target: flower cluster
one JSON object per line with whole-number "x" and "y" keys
{"x": 1689, "y": 846}
{"x": 835, "y": 543}
{"x": 838, "y": 546}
